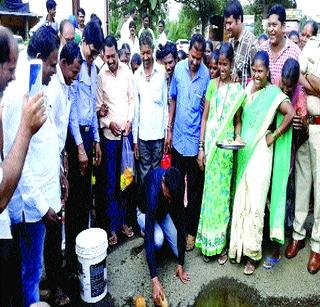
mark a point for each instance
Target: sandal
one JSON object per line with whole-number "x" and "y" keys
{"x": 223, "y": 257}
{"x": 127, "y": 231}
{"x": 190, "y": 243}
{"x": 271, "y": 262}
{"x": 250, "y": 267}
{"x": 206, "y": 258}
{"x": 61, "y": 299}
{"x": 113, "y": 240}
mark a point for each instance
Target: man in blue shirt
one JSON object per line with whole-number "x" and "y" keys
{"x": 83, "y": 136}
{"x": 162, "y": 217}
{"x": 187, "y": 92}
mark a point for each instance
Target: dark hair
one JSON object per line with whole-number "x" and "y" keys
{"x": 136, "y": 59}
{"x": 126, "y": 47}
{"x": 6, "y": 42}
{"x": 145, "y": 15}
{"x": 262, "y": 56}
{"x": 159, "y": 55}
{"x": 51, "y": 4}
{"x": 132, "y": 24}
{"x": 197, "y": 41}
{"x": 121, "y": 52}
{"x": 314, "y": 25}
{"x": 169, "y": 48}
{"x": 291, "y": 70}
{"x": 174, "y": 182}
{"x": 43, "y": 41}
{"x": 125, "y": 13}
{"x": 146, "y": 39}
{"x": 92, "y": 34}
{"x": 293, "y": 33}
{"x": 227, "y": 50}
{"x": 279, "y": 10}
{"x": 71, "y": 51}
{"x": 209, "y": 43}
{"x": 263, "y": 36}
{"x": 63, "y": 23}
{"x": 81, "y": 10}
{"x": 215, "y": 55}
{"x": 233, "y": 8}
{"x": 182, "y": 55}
{"x": 96, "y": 19}
{"x": 110, "y": 41}
{"x": 133, "y": 10}
{"x": 162, "y": 22}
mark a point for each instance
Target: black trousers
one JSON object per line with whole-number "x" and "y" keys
{"x": 80, "y": 200}
{"x": 53, "y": 255}
{"x": 10, "y": 274}
{"x": 195, "y": 180}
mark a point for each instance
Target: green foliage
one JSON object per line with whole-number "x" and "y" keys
{"x": 155, "y": 8}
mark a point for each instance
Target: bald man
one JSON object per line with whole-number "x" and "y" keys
{"x": 66, "y": 31}
{"x": 32, "y": 119}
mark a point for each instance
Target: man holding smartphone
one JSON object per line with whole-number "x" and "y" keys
{"x": 36, "y": 198}
{"x": 32, "y": 119}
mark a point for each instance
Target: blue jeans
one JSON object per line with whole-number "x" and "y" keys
{"x": 114, "y": 207}
{"x": 163, "y": 230}
{"x": 150, "y": 155}
{"x": 31, "y": 240}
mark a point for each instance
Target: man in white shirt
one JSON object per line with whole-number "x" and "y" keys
{"x": 146, "y": 27}
{"x": 124, "y": 32}
{"x": 151, "y": 110}
{"x": 162, "y": 39}
{"x": 37, "y": 196}
{"x": 115, "y": 94}
{"x": 57, "y": 94}
{"x": 10, "y": 169}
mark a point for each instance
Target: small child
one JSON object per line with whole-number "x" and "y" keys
{"x": 213, "y": 64}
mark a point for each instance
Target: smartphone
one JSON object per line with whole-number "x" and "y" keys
{"x": 35, "y": 77}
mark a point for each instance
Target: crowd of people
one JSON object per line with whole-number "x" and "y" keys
{"x": 262, "y": 94}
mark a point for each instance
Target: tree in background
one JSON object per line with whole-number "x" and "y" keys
{"x": 155, "y": 8}
{"x": 260, "y": 8}
{"x": 204, "y": 9}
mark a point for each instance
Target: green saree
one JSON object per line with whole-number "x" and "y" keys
{"x": 215, "y": 208}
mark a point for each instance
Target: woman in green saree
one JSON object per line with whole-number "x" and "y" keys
{"x": 266, "y": 153}
{"x": 223, "y": 100}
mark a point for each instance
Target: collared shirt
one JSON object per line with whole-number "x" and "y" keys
{"x": 151, "y": 108}
{"x": 116, "y": 92}
{"x": 57, "y": 93}
{"x": 189, "y": 95}
{"x": 39, "y": 185}
{"x": 290, "y": 50}
{"x": 244, "y": 51}
{"x": 83, "y": 102}
{"x": 125, "y": 31}
{"x": 310, "y": 64}
{"x": 162, "y": 39}
{"x": 44, "y": 21}
{"x": 134, "y": 45}
{"x": 156, "y": 208}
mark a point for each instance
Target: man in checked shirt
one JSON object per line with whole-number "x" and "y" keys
{"x": 244, "y": 43}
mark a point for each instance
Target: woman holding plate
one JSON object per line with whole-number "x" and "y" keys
{"x": 266, "y": 152}
{"x": 220, "y": 121}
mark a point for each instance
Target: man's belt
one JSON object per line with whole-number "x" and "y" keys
{"x": 314, "y": 120}
{"x": 85, "y": 128}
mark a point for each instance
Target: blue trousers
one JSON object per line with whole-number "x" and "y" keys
{"x": 31, "y": 241}
{"x": 162, "y": 230}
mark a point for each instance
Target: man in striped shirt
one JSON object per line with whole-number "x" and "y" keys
{"x": 244, "y": 43}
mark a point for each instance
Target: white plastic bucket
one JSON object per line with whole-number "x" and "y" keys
{"x": 91, "y": 248}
